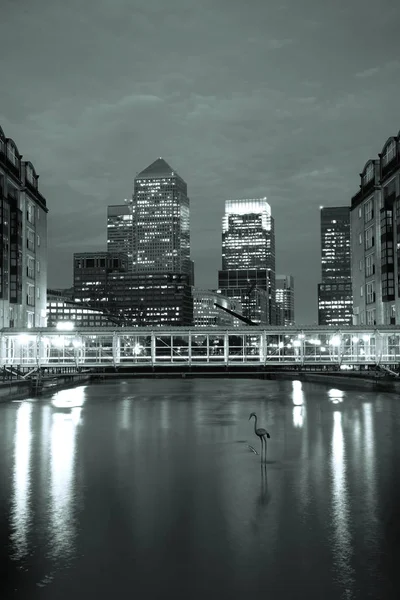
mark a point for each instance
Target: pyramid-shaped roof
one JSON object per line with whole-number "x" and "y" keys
{"x": 159, "y": 168}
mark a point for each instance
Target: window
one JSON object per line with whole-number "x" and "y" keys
{"x": 388, "y": 285}
{"x": 30, "y": 267}
{"x": 30, "y": 240}
{"x": 360, "y": 212}
{"x": 370, "y": 292}
{"x": 30, "y": 295}
{"x": 30, "y": 213}
{"x": 38, "y": 293}
{"x": 30, "y": 176}
{"x": 361, "y": 264}
{"x": 12, "y": 154}
{"x": 369, "y": 265}
{"x": 389, "y": 153}
{"x": 362, "y": 291}
{"x": 38, "y": 240}
{"x": 387, "y": 252}
{"x": 360, "y": 238}
{"x": 369, "y": 173}
{"x": 38, "y": 266}
{"x": 368, "y": 211}
{"x": 371, "y": 317}
{"x": 369, "y": 239}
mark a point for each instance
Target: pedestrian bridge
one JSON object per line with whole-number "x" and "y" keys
{"x": 257, "y": 346}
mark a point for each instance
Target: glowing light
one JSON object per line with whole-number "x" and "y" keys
{"x": 24, "y": 338}
{"x": 65, "y": 325}
{"x": 76, "y": 344}
{"x": 335, "y": 341}
{"x": 354, "y": 339}
{"x": 137, "y": 349}
{"x": 335, "y": 396}
{"x": 297, "y": 393}
{"x": 72, "y": 398}
{"x": 366, "y": 338}
{"x": 296, "y": 343}
{"x": 58, "y": 342}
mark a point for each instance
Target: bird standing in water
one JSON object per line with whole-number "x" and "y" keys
{"x": 262, "y": 434}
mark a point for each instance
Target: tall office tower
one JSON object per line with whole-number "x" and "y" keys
{"x": 23, "y": 246}
{"x": 120, "y": 229}
{"x": 375, "y": 240}
{"x": 284, "y": 300}
{"x": 161, "y": 221}
{"x": 335, "y": 293}
{"x": 248, "y": 258}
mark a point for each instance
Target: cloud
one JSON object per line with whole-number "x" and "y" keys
{"x": 390, "y": 66}
{"x": 242, "y": 103}
{"x": 278, "y": 44}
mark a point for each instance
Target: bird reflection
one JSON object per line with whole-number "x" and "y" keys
{"x": 263, "y": 498}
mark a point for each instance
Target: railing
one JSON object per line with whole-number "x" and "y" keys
{"x": 94, "y": 347}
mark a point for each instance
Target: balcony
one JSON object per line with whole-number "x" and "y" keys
{"x": 368, "y": 187}
{"x": 388, "y": 201}
{"x": 390, "y": 167}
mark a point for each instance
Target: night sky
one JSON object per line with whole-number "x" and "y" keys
{"x": 285, "y": 100}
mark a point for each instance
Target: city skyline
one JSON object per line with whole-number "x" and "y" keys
{"x": 253, "y": 112}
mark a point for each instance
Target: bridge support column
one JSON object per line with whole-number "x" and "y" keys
{"x": 153, "y": 348}
{"x": 263, "y": 347}
{"x": 116, "y": 349}
{"x": 3, "y": 350}
{"x": 379, "y": 346}
{"x": 226, "y": 348}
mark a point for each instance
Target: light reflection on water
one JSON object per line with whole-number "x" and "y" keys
{"x": 341, "y": 542}
{"x": 155, "y": 482}
{"x": 20, "y": 512}
{"x": 62, "y": 453}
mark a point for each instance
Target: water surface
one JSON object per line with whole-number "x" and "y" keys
{"x": 150, "y": 489}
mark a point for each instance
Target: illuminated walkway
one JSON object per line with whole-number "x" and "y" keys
{"x": 93, "y": 347}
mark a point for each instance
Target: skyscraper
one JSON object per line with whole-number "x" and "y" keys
{"x": 120, "y": 230}
{"x": 161, "y": 221}
{"x": 335, "y": 292}
{"x": 284, "y": 300}
{"x": 248, "y": 257}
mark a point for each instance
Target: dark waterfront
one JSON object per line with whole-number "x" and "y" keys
{"x": 148, "y": 489}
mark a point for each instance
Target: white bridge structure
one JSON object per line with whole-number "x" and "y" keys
{"x": 212, "y": 346}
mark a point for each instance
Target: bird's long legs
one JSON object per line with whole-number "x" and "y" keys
{"x": 263, "y": 449}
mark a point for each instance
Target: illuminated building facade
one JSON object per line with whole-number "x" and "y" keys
{"x": 375, "y": 240}
{"x": 161, "y": 222}
{"x": 335, "y": 302}
{"x": 120, "y": 230}
{"x": 102, "y": 281}
{"x": 248, "y": 258}
{"x": 206, "y": 314}
{"x": 61, "y": 307}
{"x": 152, "y": 299}
{"x": 23, "y": 247}
{"x": 284, "y": 300}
